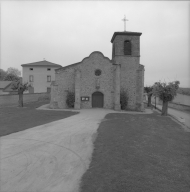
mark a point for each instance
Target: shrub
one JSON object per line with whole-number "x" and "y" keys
{"x": 70, "y": 100}
{"x": 123, "y": 99}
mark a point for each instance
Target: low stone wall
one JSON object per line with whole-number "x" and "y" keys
{"x": 179, "y": 106}
{"x": 182, "y": 99}
{"x": 28, "y": 97}
{"x": 173, "y": 105}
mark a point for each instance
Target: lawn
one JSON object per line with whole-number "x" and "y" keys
{"x": 14, "y": 119}
{"x": 139, "y": 153}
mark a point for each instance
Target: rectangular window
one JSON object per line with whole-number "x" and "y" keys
{"x": 31, "y": 69}
{"x": 49, "y": 69}
{"x": 48, "y": 78}
{"x": 31, "y": 78}
{"x": 48, "y": 89}
{"x": 127, "y": 48}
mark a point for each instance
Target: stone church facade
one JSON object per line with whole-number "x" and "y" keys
{"x": 97, "y": 81}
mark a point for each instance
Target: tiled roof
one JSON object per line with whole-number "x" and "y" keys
{"x": 42, "y": 63}
{"x": 71, "y": 65}
{"x": 125, "y": 33}
{"x": 8, "y": 88}
{"x": 3, "y": 84}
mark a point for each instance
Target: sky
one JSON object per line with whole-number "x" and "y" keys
{"x": 64, "y": 32}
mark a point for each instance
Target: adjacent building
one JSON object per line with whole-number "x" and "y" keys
{"x": 39, "y": 75}
{"x": 3, "y": 87}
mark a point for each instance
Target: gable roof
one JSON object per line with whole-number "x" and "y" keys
{"x": 41, "y": 63}
{"x": 125, "y": 33}
{"x": 74, "y": 64}
{"x": 3, "y": 84}
{"x": 8, "y": 88}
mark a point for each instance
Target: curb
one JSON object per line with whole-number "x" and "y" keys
{"x": 179, "y": 119}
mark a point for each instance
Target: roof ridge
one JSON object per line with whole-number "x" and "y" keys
{"x": 42, "y": 63}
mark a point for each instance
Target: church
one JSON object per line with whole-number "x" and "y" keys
{"x": 97, "y": 81}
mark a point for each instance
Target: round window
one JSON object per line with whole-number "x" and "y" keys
{"x": 98, "y": 72}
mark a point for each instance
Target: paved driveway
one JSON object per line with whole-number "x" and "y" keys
{"x": 50, "y": 157}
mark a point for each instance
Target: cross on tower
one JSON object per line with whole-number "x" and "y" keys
{"x": 124, "y": 20}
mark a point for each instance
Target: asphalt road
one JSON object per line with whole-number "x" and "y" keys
{"x": 51, "y": 157}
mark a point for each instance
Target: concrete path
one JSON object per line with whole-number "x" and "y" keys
{"x": 51, "y": 157}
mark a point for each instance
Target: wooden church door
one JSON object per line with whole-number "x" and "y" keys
{"x": 97, "y": 100}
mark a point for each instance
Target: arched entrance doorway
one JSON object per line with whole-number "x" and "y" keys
{"x": 97, "y": 100}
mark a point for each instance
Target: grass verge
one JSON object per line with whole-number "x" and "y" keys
{"x": 14, "y": 119}
{"x": 135, "y": 153}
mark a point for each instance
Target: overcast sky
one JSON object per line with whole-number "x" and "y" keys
{"x": 64, "y": 32}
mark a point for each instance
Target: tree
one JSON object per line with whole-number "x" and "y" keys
{"x": 148, "y": 90}
{"x": 2, "y": 74}
{"x": 12, "y": 74}
{"x": 20, "y": 87}
{"x": 166, "y": 92}
{"x": 11, "y": 77}
{"x": 14, "y": 71}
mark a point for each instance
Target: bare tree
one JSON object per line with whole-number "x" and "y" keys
{"x": 20, "y": 87}
{"x": 148, "y": 90}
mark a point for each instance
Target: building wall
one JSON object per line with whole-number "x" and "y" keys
{"x": 65, "y": 80}
{"x": 140, "y": 89}
{"x": 131, "y": 76}
{"x": 119, "y": 48}
{"x": 40, "y": 73}
{"x": 3, "y": 93}
{"x": 129, "y": 66}
{"x": 131, "y": 80}
{"x": 89, "y": 80}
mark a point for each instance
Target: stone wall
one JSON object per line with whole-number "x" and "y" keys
{"x": 129, "y": 66}
{"x": 131, "y": 80}
{"x": 179, "y": 106}
{"x": 6, "y": 100}
{"x": 89, "y": 81}
{"x": 119, "y": 48}
{"x": 140, "y": 88}
{"x": 131, "y": 76}
{"x": 65, "y": 78}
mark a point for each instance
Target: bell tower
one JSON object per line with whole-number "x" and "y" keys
{"x": 126, "y": 52}
{"x": 126, "y": 44}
